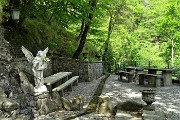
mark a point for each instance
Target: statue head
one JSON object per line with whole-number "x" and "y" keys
{"x": 40, "y": 53}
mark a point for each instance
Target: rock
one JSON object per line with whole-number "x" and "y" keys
{"x": 23, "y": 98}
{"x": 2, "y": 94}
{"x": 21, "y": 117}
{"x": 9, "y": 105}
{"x": 4, "y": 47}
{"x": 57, "y": 100}
{"x": 51, "y": 105}
{"x": 129, "y": 106}
{"x": 6, "y": 119}
{"x": 104, "y": 106}
{"x": 66, "y": 104}
{"x": 77, "y": 102}
{"x": 25, "y": 84}
{"x": 44, "y": 108}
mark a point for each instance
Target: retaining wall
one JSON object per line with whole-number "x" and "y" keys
{"x": 87, "y": 71}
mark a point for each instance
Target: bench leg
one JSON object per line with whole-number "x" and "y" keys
{"x": 141, "y": 79}
{"x": 71, "y": 87}
{"x": 158, "y": 82}
{"x": 62, "y": 93}
{"x": 75, "y": 83}
{"x": 120, "y": 76}
{"x": 130, "y": 78}
{"x": 50, "y": 90}
{"x": 151, "y": 81}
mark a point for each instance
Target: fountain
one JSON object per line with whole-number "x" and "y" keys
{"x": 148, "y": 96}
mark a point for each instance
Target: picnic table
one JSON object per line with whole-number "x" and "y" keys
{"x": 152, "y": 70}
{"x": 130, "y": 69}
{"x": 166, "y": 74}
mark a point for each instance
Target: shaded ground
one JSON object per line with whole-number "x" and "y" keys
{"x": 167, "y": 102}
{"x": 167, "y": 105}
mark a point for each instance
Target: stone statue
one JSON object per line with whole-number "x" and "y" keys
{"x": 76, "y": 104}
{"x": 39, "y": 64}
{"x": 104, "y": 106}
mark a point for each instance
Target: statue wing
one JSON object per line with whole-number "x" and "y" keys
{"x": 45, "y": 52}
{"x": 28, "y": 54}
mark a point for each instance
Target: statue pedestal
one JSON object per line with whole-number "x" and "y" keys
{"x": 41, "y": 103}
{"x": 41, "y": 89}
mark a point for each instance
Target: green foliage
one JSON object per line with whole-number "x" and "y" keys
{"x": 0, "y": 13}
{"x": 2, "y": 4}
{"x": 139, "y": 31}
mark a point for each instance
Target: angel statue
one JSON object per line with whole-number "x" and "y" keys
{"x": 39, "y": 63}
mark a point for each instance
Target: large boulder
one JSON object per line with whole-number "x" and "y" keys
{"x": 57, "y": 100}
{"x": 8, "y": 105}
{"x": 104, "y": 106}
{"x": 25, "y": 84}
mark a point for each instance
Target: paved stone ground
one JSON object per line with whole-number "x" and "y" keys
{"x": 167, "y": 105}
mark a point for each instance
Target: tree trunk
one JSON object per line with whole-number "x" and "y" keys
{"x": 82, "y": 42}
{"x": 81, "y": 32}
{"x": 172, "y": 51}
{"x": 92, "y": 4}
{"x": 107, "y": 58}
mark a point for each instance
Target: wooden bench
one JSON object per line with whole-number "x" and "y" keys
{"x": 55, "y": 80}
{"x": 68, "y": 83}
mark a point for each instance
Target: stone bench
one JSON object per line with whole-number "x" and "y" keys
{"x": 120, "y": 75}
{"x": 154, "y": 80}
{"x": 55, "y": 80}
{"x": 129, "y": 76}
{"x": 141, "y": 78}
{"x": 69, "y": 83}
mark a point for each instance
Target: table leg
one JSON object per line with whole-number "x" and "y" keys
{"x": 167, "y": 78}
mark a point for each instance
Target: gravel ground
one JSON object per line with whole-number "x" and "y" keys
{"x": 85, "y": 89}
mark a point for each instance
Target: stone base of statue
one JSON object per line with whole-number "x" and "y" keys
{"x": 41, "y": 102}
{"x": 40, "y": 89}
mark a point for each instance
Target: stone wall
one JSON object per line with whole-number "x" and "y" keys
{"x": 87, "y": 71}
{"x": 14, "y": 99}
{"x": 62, "y": 64}
{"x": 17, "y": 97}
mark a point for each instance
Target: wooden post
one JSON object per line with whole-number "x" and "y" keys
{"x": 135, "y": 63}
{"x": 149, "y": 64}
{"x": 168, "y": 65}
